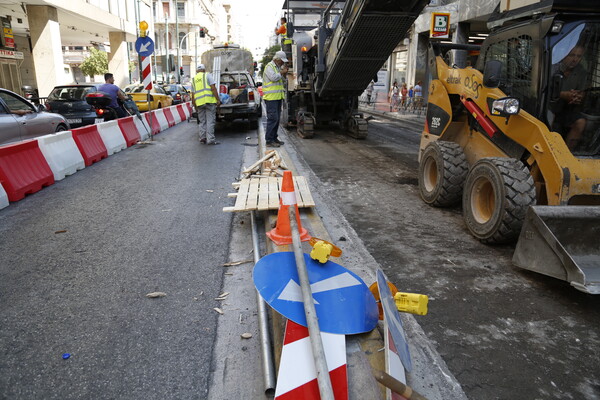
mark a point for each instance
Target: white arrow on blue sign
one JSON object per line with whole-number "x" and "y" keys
{"x": 144, "y": 46}
{"x": 343, "y": 302}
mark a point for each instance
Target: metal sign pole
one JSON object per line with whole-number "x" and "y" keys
{"x": 323, "y": 379}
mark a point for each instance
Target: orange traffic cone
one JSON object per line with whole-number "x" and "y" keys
{"x": 282, "y": 233}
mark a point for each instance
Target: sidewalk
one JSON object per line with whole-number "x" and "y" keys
{"x": 415, "y": 119}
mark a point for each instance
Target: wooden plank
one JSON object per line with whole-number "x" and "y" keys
{"x": 263, "y": 195}
{"x": 297, "y": 190}
{"x": 240, "y": 202}
{"x": 229, "y": 209}
{"x": 252, "y": 201}
{"x": 305, "y": 192}
{"x": 232, "y": 195}
{"x": 273, "y": 194}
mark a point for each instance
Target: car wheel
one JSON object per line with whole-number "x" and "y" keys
{"x": 442, "y": 172}
{"x": 159, "y": 105}
{"x": 61, "y": 128}
{"x": 496, "y": 196}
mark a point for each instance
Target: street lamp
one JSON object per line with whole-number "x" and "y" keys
{"x": 195, "y": 47}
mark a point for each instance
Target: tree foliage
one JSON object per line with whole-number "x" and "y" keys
{"x": 95, "y": 64}
{"x": 268, "y": 56}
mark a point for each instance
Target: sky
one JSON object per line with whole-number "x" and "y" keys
{"x": 257, "y": 21}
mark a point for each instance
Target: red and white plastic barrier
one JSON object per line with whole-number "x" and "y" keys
{"x": 297, "y": 377}
{"x": 23, "y": 169}
{"x": 3, "y": 198}
{"x": 181, "y": 111}
{"x": 169, "y": 115}
{"x": 112, "y": 136}
{"x": 129, "y": 130}
{"x": 142, "y": 127}
{"x": 152, "y": 122}
{"x": 176, "y": 116}
{"x": 187, "y": 109}
{"x": 90, "y": 144}
{"x": 61, "y": 153}
{"x": 162, "y": 119}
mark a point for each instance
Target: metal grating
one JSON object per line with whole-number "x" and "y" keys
{"x": 371, "y": 40}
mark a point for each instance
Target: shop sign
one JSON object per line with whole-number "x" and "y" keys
{"x": 17, "y": 55}
{"x": 440, "y": 25}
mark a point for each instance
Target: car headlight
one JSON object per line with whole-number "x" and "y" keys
{"x": 506, "y": 106}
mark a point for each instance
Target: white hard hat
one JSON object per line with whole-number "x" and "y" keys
{"x": 200, "y": 66}
{"x": 280, "y": 55}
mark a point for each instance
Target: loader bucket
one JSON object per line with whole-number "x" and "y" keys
{"x": 562, "y": 242}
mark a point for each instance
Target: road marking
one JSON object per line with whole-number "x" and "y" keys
{"x": 293, "y": 292}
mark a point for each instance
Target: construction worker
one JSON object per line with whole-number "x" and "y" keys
{"x": 286, "y": 41}
{"x": 206, "y": 101}
{"x": 273, "y": 95}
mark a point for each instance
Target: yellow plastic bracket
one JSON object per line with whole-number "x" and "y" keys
{"x": 322, "y": 250}
{"x": 412, "y": 303}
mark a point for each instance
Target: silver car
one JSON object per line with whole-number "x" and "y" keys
{"x": 20, "y": 119}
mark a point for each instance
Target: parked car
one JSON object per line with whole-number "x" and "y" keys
{"x": 158, "y": 97}
{"x": 69, "y": 101}
{"x": 178, "y": 92}
{"x": 20, "y": 119}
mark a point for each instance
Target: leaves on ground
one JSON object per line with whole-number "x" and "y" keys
{"x": 154, "y": 295}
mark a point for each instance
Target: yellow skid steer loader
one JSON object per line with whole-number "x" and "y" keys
{"x": 517, "y": 139}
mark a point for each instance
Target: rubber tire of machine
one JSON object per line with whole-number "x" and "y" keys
{"x": 496, "y": 196}
{"x": 442, "y": 173}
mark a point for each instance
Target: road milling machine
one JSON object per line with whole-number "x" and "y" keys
{"x": 334, "y": 61}
{"x": 517, "y": 138}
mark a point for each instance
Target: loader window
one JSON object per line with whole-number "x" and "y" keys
{"x": 574, "y": 106}
{"x": 515, "y": 54}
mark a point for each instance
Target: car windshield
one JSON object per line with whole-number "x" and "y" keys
{"x": 137, "y": 89}
{"x": 574, "y": 104}
{"x": 70, "y": 93}
{"x": 170, "y": 88}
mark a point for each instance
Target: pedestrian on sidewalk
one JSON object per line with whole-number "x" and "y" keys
{"x": 370, "y": 92}
{"x": 394, "y": 97}
{"x": 273, "y": 95}
{"x": 206, "y": 101}
{"x": 418, "y": 95}
{"x": 411, "y": 95}
{"x": 404, "y": 94}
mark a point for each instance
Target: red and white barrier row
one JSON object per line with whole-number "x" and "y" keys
{"x": 26, "y": 167}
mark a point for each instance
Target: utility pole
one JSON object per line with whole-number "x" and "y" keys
{"x": 167, "y": 47}
{"x": 177, "y": 39}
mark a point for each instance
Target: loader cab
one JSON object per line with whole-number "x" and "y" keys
{"x": 553, "y": 67}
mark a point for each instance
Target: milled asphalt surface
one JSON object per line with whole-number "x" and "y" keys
{"x": 79, "y": 257}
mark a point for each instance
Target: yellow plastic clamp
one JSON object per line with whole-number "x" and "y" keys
{"x": 322, "y": 250}
{"x": 413, "y": 303}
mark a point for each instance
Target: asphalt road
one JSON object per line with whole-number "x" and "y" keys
{"x": 79, "y": 257}
{"x": 503, "y": 332}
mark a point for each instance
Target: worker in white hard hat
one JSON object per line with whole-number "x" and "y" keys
{"x": 273, "y": 94}
{"x": 206, "y": 101}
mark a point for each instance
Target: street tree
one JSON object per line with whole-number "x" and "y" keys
{"x": 95, "y": 64}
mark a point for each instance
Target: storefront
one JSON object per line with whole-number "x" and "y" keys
{"x": 10, "y": 78}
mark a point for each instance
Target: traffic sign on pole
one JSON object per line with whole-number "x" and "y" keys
{"x": 343, "y": 302}
{"x": 144, "y": 46}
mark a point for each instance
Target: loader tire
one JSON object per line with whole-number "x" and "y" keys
{"x": 442, "y": 172}
{"x": 497, "y": 193}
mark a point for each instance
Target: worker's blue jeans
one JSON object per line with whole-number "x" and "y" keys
{"x": 273, "y": 116}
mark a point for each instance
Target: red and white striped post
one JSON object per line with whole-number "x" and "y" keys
{"x": 147, "y": 82}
